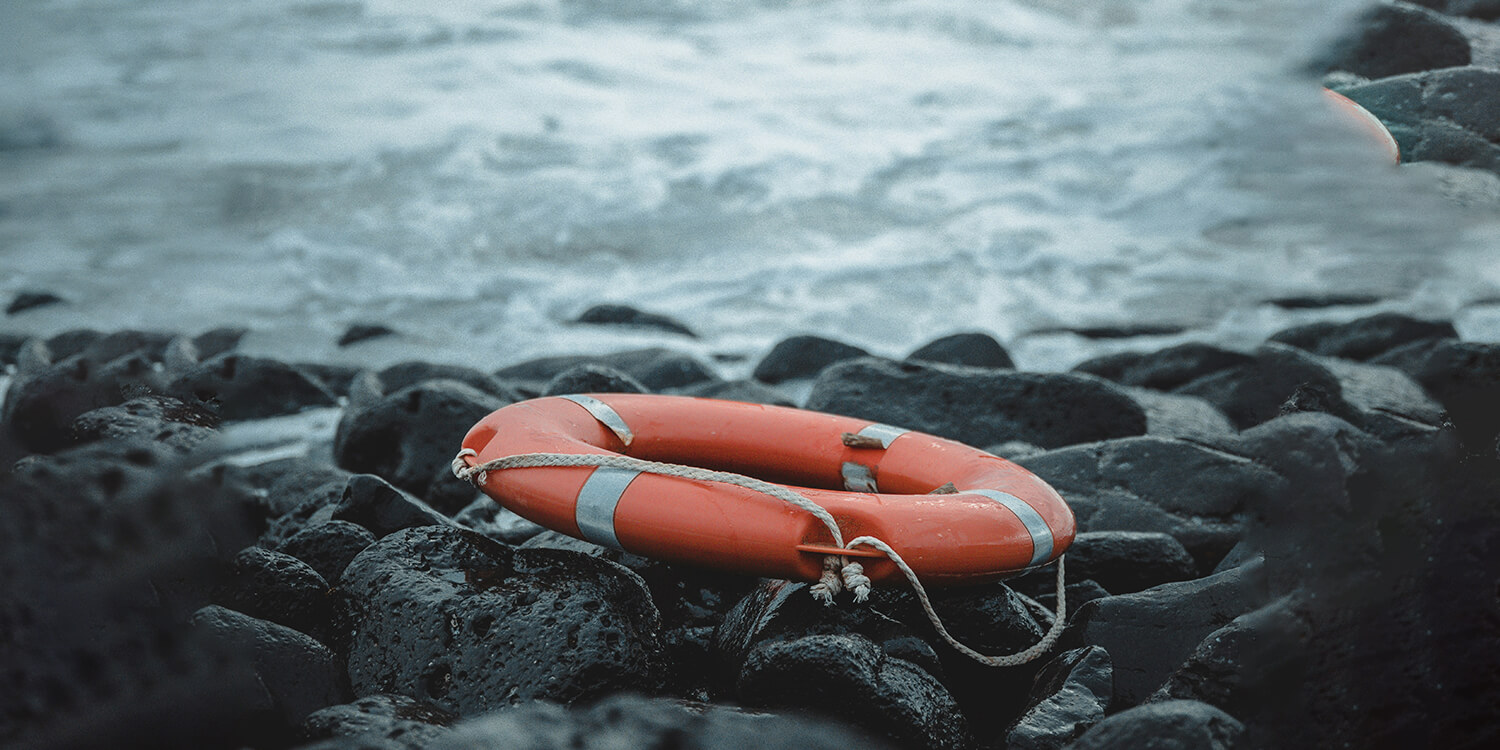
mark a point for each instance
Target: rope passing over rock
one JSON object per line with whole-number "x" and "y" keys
{"x": 839, "y": 573}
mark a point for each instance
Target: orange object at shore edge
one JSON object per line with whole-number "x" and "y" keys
{"x": 998, "y": 520}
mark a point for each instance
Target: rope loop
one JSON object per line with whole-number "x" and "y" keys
{"x": 839, "y": 572}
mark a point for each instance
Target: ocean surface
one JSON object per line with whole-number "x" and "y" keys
{"x": 475, "y": 174}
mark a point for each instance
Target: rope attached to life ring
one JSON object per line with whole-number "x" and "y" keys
{"x": 839, "y": 572}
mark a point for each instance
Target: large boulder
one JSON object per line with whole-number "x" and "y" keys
{"x": 1450, "y": 115}
{"x": 969, "y": 349}
{"x": 625, "y": 315}
{"x": 656, "y": 368}
{"x": 1365, "y": 338}
{"x": 1399, "y": 38}
{"x": 850, "y": 678}
{"x": 451, "y": 617}
{"x": 1149, "y": 634}
{"x": 299, "y": 674}
{"x": 239, "y": 387}
{"x": 410, "y": 437}
{"x": 1464, "y": 377}
{"x": 1070, "y": 695}
{"x": 803, "y": 357}
{"x": 1164, "y": 369}
{"x": 979, "y": 406}
{"x": 1198, "y": 495}
{"x": 1380, "y": 400}
{"x": 405, "y": 722}
{"x": 1172, "y": 725}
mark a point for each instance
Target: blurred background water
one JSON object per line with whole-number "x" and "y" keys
{"x": 475, "y": 174}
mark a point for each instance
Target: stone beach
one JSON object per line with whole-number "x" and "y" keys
{"x": 1292, "y": 544}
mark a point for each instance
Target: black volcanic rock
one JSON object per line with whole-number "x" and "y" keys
{"x": 629, "y": 316}
{"x": 803, "y": 357}
{"x": 1165, "y": 369}
{"x": 850, "y": 678}
{"x": 969, "y": 349}
{"x": 410, "y": 436}
{"x": 979, "y": 406}
{"x": 1069, "y": 696}
{"x": 1399, "y": 38}
{"x": 448, "y": 616}
{"x": 239, "y": 387}
{"x": 1365, "y": 338}
{"x": 1149, "y": 634}
{"x": 1172, "y": 725}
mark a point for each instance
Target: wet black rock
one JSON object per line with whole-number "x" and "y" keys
{"x": 687, "y": 596}
{"x": 803, "y": 357}
{"x": 782, "y": 610}
{"x": 1464, "y": 377}
{"x": 1398, "y": 38}
{"x": 240, "y": 387}
{"x": 749, "y": 391}
{"x": 405, "y": 722}
{"x": 169, "y": 421}
{"x": 486, "y": 516}
{"x": 1365, "y": 338}
{"x": 290, "y": 483}
{"x": 407, "y": 374}
{"x": 592, "y": 379}
{"x": 629, "y": 721}
{"x": 1165, "y": 369}
{"x": 979, "y": 406}
{"x": 1245, "y": 668}
{"x": 1127, "y": 561}
{"x": 328, "y": 547}
{"x": 212, "y": 343}
{"x": 1124, "y": 331}
{"x": 374, "y": 504}
{"x": 299, "y": 674}
{"x": 1173, "y": 725}
{"x": 1079, "y": 593}
{"x": 40, "y": 405}
{"x": 71, "y": 342}
{"x": 629, "y": 316}
{"x": 850, "y": 678}
{"x": 1380, "y": 400}
{"x": 359, "y": 332}
{"x": 1069, "y": 695}
{"x": 1450, "y": 115}
{"x": 1320, "y": 301}
{"x": 452, "y": 617}
{"x": 1173, "y": 415}
{"x": 363, "y": 499}
{"x": 655, "y": 368}
{"x": 1195, "y": 493}
{"x": 1149, "y": 634}
{"x": 969, "y": 349}
{"x": 410, "y": 436}
{"x": 280, "y": 588}
{"x": 24, "y": 301}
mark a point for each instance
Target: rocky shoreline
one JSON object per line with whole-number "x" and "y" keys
{"x": 1286, "y": 547}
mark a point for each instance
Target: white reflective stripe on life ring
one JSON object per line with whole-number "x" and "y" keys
{"x": 606, "y": 415}
{"x": 595, "y": 510}
{"x": 1036, "y": 526}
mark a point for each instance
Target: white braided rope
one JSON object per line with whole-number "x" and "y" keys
{"x": 838, "y": 572}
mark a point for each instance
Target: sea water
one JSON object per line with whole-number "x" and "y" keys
{"x": 475, "y": 174}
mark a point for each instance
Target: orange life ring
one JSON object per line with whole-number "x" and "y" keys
{"x": 1002, "y": 520}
